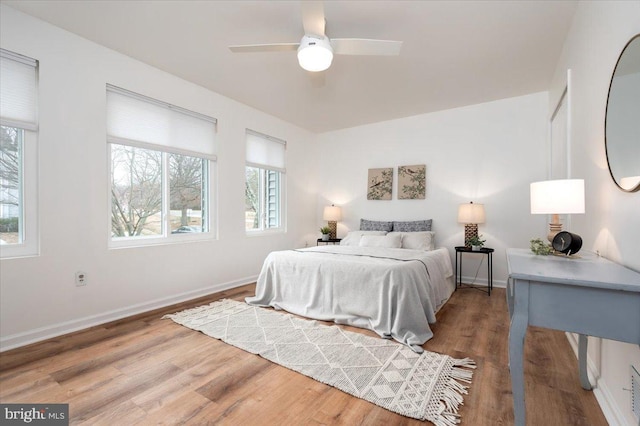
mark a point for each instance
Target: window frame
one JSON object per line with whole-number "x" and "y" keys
{"x": 30, "y": 245}
{"x": 263, "y": 202}
{"x": 25, "y": 118}
{"x": 142, "y": 122}
{"x": 281, "y": 187}
{"x": 166, "y": 237}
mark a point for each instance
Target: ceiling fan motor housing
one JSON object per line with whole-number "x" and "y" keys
{"x": 315, "y": 53}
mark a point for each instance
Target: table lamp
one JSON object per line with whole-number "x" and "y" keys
{"x": 332, "y": 215}
{"x": 556, "y": 197}
{"x": 471, "y": 215}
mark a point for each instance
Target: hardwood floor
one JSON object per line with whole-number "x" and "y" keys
{"x": 145, "y": 371}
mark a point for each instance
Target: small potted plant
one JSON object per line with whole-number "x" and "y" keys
{"x": 325, "y": 231}
{"x": 540, "y": 247}
{"x": 476, "y": 242}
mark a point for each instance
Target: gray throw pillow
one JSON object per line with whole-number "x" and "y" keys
{"x": 375, "y": 225}
{"x": 412, "y": 226}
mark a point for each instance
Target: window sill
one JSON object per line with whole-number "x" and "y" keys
{"x": 135, "y": 242}
{"x": 264, "y": 232}
{"x": 8, "y": 252}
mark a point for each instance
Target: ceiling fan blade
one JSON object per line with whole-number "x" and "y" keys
{"x": 273, "y": 47}
{"x": 361, "y": 46}
{"x": 313, "y": 17}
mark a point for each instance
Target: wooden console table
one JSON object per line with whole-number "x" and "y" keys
{"x": 590, "y": 295}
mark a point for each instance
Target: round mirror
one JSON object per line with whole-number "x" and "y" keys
{"x": 622, "y": 121}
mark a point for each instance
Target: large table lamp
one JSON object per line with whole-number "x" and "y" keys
{"x": 332, "y": 214}
{"x": 471, "y": 215}
{"x": 556, "y": 197}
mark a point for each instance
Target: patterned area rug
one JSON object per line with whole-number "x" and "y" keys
{"x": 423, "y": 386}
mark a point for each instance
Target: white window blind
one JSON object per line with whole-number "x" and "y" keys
{"x": 18, "y": 99}
{"x": 137, "y": 120}
{"x": 265, "y": 152}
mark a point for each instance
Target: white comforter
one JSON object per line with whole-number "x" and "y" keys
{"x": 394, "y": 292}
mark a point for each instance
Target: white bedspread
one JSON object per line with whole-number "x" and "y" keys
{"x": 394, "y": 292}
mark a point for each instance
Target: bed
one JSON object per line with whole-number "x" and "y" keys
{"x": 374, "y": 284}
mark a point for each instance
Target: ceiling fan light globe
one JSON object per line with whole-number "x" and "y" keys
{"x": 315, "y": 54}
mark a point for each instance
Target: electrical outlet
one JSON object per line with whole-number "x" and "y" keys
{"x": 81, "y": 279}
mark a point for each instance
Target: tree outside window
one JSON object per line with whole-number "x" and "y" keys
{"x": 186, "y": 195}
{"x": 11, "y": 185}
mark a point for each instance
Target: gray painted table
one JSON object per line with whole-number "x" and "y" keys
{"x": 590, "y": 295}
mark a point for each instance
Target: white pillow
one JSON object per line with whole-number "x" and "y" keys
{"x": 353, "y": 238}
{"x": 423, "y": 240}
{"x": 387, "y": 241}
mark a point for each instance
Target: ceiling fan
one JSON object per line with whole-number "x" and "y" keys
{"x": 316, "y": 50}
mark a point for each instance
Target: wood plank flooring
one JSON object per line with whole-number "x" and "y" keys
{"x": 147, "y": 371}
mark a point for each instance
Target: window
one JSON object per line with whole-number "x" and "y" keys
{"x": 161, "y": 165}
{"x": 264, "y": 175}
{"x": 18, "y": 155}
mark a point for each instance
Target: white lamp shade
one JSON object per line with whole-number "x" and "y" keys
{"x": 471, "y": 213}
{"x": 315, "y": 54}
{"x": 563, "y": 196}
{"x": 332, "y": 213}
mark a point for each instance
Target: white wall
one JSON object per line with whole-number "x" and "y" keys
{"x": 38, "y": 294}
{"x": 487, "y": 153}
{"x": 611, "y": 223}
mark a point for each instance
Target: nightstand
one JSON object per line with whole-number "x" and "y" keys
{"x": 460, "y": 250}
{"x": 333, "y": 241}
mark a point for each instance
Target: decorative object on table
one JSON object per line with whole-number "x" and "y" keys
{"x": 326, "y": 233}
{"x": 567, "y": 243}
{"x": 379, "y": 184}
{"x": 412, "y": 182}
{"x": 332, "y": 214}
{"x": 621, "y": 124}
{"x": 476, "y": 242}
{"x": 539, "y": 247}
{"x": 426, "y": 386}
{"x": 556, "y": 197}
{"x": 471, "y": 215}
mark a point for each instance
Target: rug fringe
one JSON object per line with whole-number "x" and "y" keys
{"x": 464, "y": 362}
{"x": 447, "y": 419}
{"x": 462, "y": 374}
{"x": 452, "y": 396}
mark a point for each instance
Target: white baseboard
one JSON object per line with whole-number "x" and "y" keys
{"x": 607, "y": 403}
{"x": 32, "y": 336}
{"x": 483, "y": 282}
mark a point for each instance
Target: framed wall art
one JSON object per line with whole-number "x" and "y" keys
{"x": 412, "y": 182}
{"x": 380, "y": 184}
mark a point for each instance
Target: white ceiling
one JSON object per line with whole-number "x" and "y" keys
{"x": 455, "y": 53}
